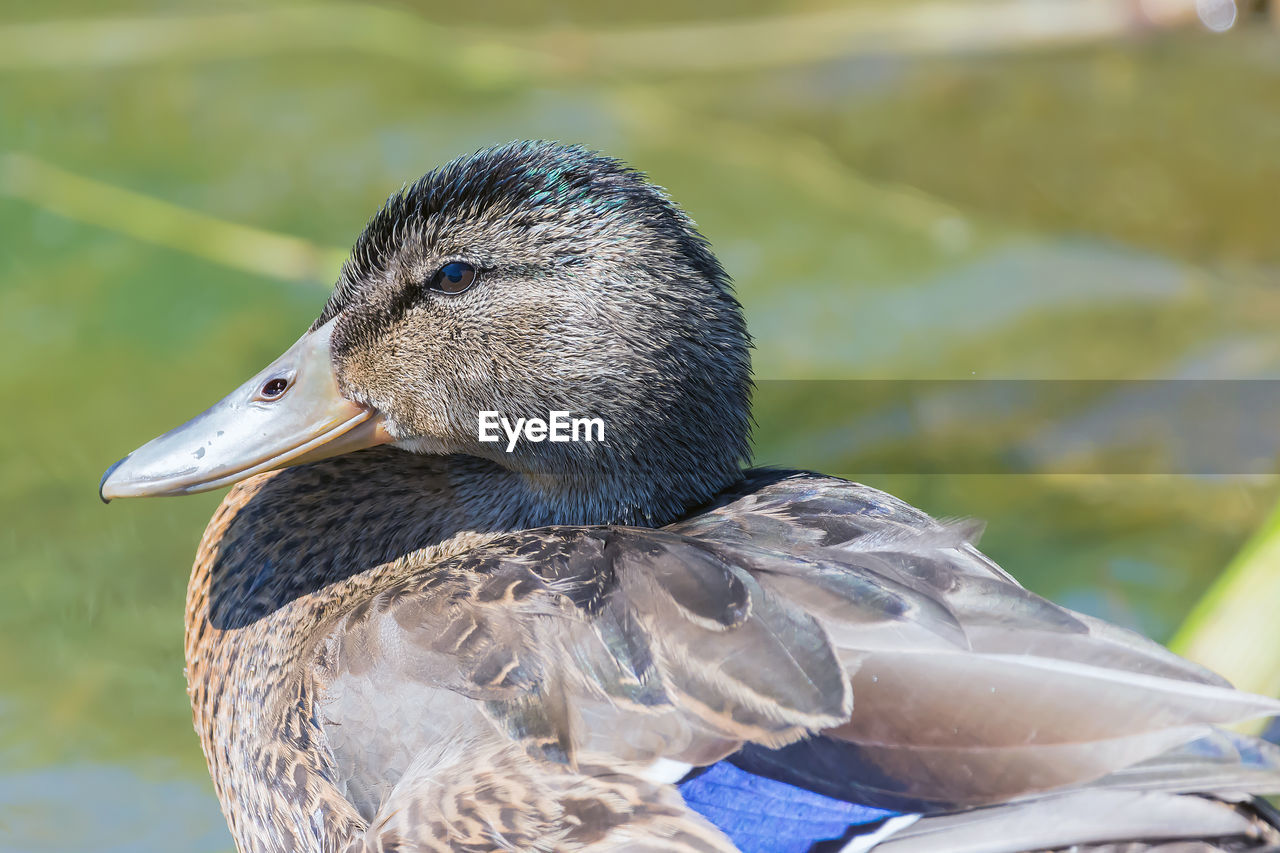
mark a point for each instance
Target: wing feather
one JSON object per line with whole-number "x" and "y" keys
{"x": 1073, "y": 821}
{"x": 968, "y": 689}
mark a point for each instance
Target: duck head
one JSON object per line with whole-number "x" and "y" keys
{"x": 522, "y": 280}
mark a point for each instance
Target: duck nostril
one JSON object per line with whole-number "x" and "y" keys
{"x": 274, "y": 388}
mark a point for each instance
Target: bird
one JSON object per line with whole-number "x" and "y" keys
{"x": 402, "y": 635}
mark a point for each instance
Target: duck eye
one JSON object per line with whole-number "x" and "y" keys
{"x": 454, "y": 277}
{"x": 274, "y": 388}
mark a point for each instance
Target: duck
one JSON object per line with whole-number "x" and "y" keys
{"x": 402, "y": 635}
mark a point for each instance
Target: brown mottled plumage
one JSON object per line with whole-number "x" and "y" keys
{"x": 458, "y": 648}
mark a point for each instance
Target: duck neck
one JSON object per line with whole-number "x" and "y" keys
{"x": 527, "y": 496}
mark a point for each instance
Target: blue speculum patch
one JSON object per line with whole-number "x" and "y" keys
{"x": 762, "y": 815}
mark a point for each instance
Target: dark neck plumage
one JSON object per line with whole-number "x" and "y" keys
{"x": 627, "y": 495}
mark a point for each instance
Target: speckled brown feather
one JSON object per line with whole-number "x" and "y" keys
{"x": 501, "y": 800}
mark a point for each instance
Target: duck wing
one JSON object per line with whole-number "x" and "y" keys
{"x": 799, "y": 612}
{"x": 968, "y": 689}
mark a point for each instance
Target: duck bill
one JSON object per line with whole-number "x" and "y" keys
{"x": 290, "y": 413}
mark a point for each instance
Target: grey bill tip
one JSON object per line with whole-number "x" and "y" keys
{"x": 107, "y": 474}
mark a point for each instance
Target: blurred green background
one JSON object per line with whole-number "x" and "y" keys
{"x": 1031, "y": 189}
